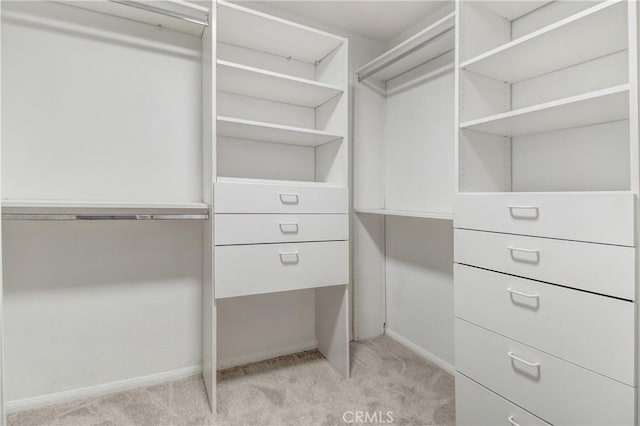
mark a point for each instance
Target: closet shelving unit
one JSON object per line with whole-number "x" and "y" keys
{"x": 281, "y": 177}
{"x": 117, "y": 143}
{"x": 403, "y": 180}
{"x": 547, "y": 183}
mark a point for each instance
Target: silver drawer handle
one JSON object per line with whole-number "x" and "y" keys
{"x": 524, "y": 361}
{"x": 289, "y": 257}
{"x": 289, "y": 227}
{"x": 523, "y": 250}
{"x": 535, "y": 212}
{"x": 289, "y": 198}
{"x": 519, "y": 293}
{"x": 513, "y": 422}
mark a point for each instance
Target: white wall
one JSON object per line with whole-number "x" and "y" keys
{"x": 100, "y": 108}
{"x": 419, "y": 291}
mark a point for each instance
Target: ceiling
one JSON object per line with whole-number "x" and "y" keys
{"x": 377, "y": 20}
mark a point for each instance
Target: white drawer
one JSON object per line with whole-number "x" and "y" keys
{"x": 595, "y": 332}
{"x": 598, "y": 268}
{"x": 268, "y": 268}
{"x": 241, "y": 197}
{"x": 280, "y": 228}
{"x": 601, "y": 217}
{"x": 478, "y": 406}
{"x": 549, "y": 387}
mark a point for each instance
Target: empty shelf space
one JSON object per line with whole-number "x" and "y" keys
{"x": 269, "y": 132}
{"x": 428, "y": 44}
{"x": 596, "y": 107}
{"x": 405, "y": 213}
{"x": 511, "y": 10}
{"x": 248, "y": 28}
{"x": 592, "y": 33}
{"x": 249, "y": 81}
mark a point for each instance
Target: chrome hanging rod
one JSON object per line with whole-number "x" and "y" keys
{"x": 129, "y": 216}
{"x": 404, "y": 54}
{"x": 165, "y": 12}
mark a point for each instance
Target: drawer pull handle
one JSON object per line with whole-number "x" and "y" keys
{"x": 524, "y": 361}
{"x": 289, "y": 228}
{"x": 534, "y": 212}
{"x": 512, "y": 421}
{"x": 513, "y": 250}
{"x": 289, "y": 257}
{"x": 519, "y": 293}
{"x": 289, "y": 198}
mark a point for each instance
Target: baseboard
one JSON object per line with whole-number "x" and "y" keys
{"x": 420, "y": 351}
{"x": 261, "y": 356}
{"x": 99, "y": 390}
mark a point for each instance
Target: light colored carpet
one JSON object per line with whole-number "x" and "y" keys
{"x": 300, "y": 389}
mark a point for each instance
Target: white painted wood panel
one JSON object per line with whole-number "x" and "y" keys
{"x": 268, "y": 268}
{"x": 249, "y": 28}
{"x": 553, "y": 389}
{"x": 478, "y": 406}
{"x": 595, "y": 332}
{"x": 280, "y": 228}
{"x": 600, "y": 106}
{"x": 250, "y": 81}
{"x": 238, "y": 197}
{"x": 603, "y": 217}
{"x": 586, "y": 35}
{"x": 598, "y": 268}
{"x": 270, "y": 132}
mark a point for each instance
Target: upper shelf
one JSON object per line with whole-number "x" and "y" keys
{"x": 269, "y": 132}
{"x": 596, "y": 107}
{"x": 259, "y": 83}
{"x": 249, "y": 28}
{"x": 595, "y": 32}
{"x": 428, "y": 44}
{"x": 179, "y": 15}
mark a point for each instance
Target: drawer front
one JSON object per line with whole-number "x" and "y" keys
{"x": 268, "y": 268}
{"x": 478, "y": 406}
{"x": 603, "y": 217}
{"x": 238, "y": 197}
{"x": 598, "y": 268}
{"x": 595, "y": 332}
{"x": 548, "y": 387}
{"x": 280, "y": 228}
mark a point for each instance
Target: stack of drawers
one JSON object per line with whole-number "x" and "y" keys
{"x": 277, "y": 237}
{"x": 545, "y": 308}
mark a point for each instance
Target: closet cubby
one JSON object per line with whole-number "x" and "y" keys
{"x": 281, "y": 100}
{"x": 403, "y": 152}
{"x": 538, "y": 78}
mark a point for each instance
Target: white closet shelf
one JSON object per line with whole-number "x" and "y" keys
{"x": 405, "y": 213}
{"x": 592, "y": 33}
{"x": 179, "y": 15}
{"x": 269, "y": 132}
{"x": 50, "y": 206}
{"x": 259, "y": 83}
{"x": 511, "y": 10}
{"x": 249, "y": 28}
{"x": 428, "y": 44}
{"x": 601, "y": 106}
{"x": 227, "y": 179}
